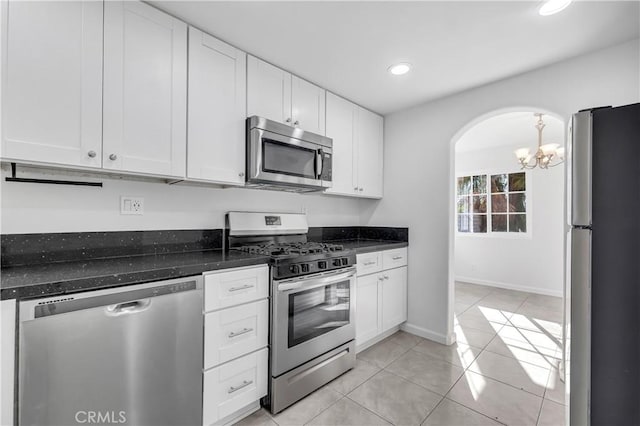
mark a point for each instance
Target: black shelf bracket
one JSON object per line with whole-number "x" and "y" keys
{"x": 13, "y": 178}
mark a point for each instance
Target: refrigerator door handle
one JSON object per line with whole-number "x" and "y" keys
{"x": 580, "y": 168}
{"x": 578, "y": 338}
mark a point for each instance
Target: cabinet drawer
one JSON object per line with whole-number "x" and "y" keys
{"x": 233, "y": 386}
{"x": 229, "y": 288}
{"x": 394, "y": 258}
{"x": 233, "y": 332}
{"x": 369, "y": 263}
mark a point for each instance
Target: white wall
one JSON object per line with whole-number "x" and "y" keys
{"x": 532, "y": 262}
{"x": 31, "y": 208}
{"x": 419, "y": 162}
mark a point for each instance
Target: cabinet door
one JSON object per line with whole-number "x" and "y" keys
{"x": 394, "y": 297}
{"x": 217, "y": 110}
{"x": 145, "y": 90}
{"x": 369, "y": 152}
{"x": 367, "y": 308}
{"x": 308, "y": 106}
{"x": 341, "y": 117}
{"x": 268, "y": 91}
{"x": 52, "y": 66}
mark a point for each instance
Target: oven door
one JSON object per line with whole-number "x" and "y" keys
{"x": 274, "y": 158}
{"x": 311, "y": 316}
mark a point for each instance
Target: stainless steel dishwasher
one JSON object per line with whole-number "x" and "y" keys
{"x": 130, "y": 355}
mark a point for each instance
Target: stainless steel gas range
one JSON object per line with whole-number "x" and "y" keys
{"x": 312, "y": 328}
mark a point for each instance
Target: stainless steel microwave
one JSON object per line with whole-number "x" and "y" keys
{"x": 287, "y": 158}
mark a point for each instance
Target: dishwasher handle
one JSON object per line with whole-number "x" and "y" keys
{"x": 128, "y": 307}
{"x": 116, "y": 301}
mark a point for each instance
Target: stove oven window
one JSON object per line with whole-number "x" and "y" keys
{"x": 318, "y": 311}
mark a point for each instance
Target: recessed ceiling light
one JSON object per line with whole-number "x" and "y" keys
{"x": 399, "y": 69}
{"x": 551, "y": 7}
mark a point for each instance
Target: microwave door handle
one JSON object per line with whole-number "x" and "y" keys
{"x": 319, "y": 163}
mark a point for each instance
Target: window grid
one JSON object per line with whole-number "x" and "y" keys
{"x": 491, "y": 203}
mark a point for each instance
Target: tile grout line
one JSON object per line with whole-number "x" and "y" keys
{"x": 330, "y": 405}
{"x": 449, "y": 391}
{"x": 371, "y": 411}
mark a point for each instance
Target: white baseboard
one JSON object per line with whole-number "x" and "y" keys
{"x": 380, "y": 337}
{"x": 536, "y": 290}
{"x": 429, "y": 334}
{"x": 235, "y": 417}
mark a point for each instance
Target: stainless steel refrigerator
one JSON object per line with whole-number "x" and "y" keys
{"x": 602, "y": 335}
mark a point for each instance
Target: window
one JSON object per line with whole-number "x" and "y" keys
{"x": 492, "y": 203}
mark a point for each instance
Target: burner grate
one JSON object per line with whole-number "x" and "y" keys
{"x": 288, "y": 249}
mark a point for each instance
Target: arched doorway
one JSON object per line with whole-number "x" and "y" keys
{"x": 507, "y": 252}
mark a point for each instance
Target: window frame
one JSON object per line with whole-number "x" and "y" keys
{"x": 490, "y": 233}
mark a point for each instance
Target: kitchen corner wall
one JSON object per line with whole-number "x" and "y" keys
{"x": 29, "y": 208}
{"x": 532, "y": 262}
{"x": 419, "y": 162}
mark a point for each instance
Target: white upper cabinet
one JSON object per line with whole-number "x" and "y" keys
{"x": 268, "y": 91}
{"x": 357, "y": 149}
{"x": 370, "y": 152}
{"x": 216, "y": 110}
{"x": 341, "y": 121}
{"x": 307, "y": 106}
{"x": 279, "y": 96}
{"x": 145, "y": 90}
{"x": 52, "y": 89}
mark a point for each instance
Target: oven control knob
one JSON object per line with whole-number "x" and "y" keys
{"x": 295, "y": 269}
{"x": 336, "y": 262}
{"x": 322, "y": 264}
{"x": 345, "y": 261}
{"x": 305, "y": 267}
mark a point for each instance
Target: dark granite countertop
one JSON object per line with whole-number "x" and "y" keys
{"x": 41, "y": 265}
{"x": 368, "y": 246}
{"x": 50, "y": 279}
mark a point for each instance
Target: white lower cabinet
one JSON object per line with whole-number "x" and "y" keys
{"x": 236, "y": 331}
{"x": 367, "y": 325}
{"x": 394, "y": 297}
{"x": 381, "y": 296}
{"x": 7, "y": 360}
{"x": 230, "y": 387}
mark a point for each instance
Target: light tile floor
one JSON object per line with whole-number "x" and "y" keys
{"x": 503, "y": 370}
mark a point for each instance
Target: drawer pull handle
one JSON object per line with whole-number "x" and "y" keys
{"x": 244, "y": 384}
{"x": 240, "y": 333}
{"x": 397, "y": 257}
{"x": 243, "y": 287}
{"x": 369, "y": 263}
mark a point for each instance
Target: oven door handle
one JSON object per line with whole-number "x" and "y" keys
{"x": 315, "y": 282}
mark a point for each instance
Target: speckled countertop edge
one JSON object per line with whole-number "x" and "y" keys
{"x": 27, "y": 282}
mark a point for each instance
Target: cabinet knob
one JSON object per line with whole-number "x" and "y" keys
{"x": 113, "y": 157}
{"x": 288, "y": 120}
{"x": 386, "y": 277}
{"x": 296, "y": 123}
{"x": 91, "y": 154}
{"x": 241, "y": 174}
{"x": 360, "y": 189}
{"x": 355, "y": 189}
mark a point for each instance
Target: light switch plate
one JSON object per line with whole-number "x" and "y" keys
{"x": 131, "y": 205}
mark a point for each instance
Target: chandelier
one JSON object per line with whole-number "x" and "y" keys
{"x": 547, "y": 155}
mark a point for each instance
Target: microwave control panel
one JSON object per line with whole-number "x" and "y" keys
{"x": 326, "y": 167}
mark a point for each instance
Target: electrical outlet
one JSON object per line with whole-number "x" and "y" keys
{"x": 131, "y": 205}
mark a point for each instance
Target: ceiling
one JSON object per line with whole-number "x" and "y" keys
{"x": 347, "y": 46}
{"x": 511, "y": 129}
